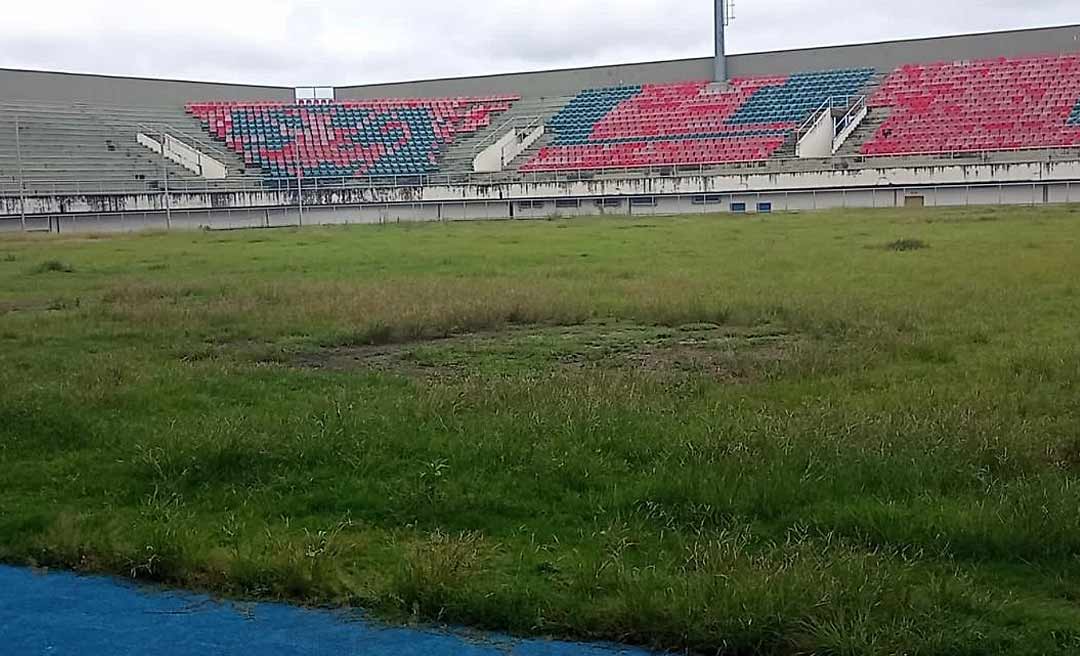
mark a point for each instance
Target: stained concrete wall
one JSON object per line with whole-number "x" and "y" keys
{"x": 882, "y": 56}
{"x": 135, "y": 92}
{"x": 376, "y": 214}
{"x": 1015, "y": 183}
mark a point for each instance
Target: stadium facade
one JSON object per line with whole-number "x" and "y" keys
{"x": 975, "y": 119}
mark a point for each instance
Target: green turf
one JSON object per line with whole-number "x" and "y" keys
{"x": 829, "y": 433}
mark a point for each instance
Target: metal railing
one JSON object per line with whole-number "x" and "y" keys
{"x": 851, "y": 115}
{"x": 828, "y": 104}
{"x": 10, "y": 185}
{"x": 530, "y": 121}
{"x": 186, "y": 139}
{"x": 284, "y": 216}
{"x": 813, "y": 119}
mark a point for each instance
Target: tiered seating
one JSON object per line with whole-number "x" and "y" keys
{"x": 791, "y": 102}
{"x": 997, "y": 104}
{"x": 687, "y": 123}
{"x": 347, "y": 138}
{"x": 633, "y": 154}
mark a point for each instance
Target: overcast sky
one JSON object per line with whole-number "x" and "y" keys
{"x": 342, "y": 42}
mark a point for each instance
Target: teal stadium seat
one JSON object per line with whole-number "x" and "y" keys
{"x": 347, "y": 138}
{"x": 688, "y": 123}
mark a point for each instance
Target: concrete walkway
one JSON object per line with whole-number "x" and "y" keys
{"x": 61, "y": 613}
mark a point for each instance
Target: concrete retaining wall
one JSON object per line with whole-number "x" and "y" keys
{"x": 381, "y": 214}
{"x": 1025, "y": 183}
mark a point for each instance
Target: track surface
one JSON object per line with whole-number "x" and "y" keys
{"x": 61, "y": 613}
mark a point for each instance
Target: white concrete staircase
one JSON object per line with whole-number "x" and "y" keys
{"x": 874, "y": 118}
{"x": 531, "y": 152}
{"x": 457, "y": 159}
{"x": 866, "y": 131}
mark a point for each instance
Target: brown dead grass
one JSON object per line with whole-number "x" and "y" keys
{"x": 723, "y": 353}
{"x": 31, "y": 305}
{"x": 402, "y": 310}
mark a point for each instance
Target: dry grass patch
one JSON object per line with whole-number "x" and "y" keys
{"x": 725, "y": 353}
{"x": 36, "y": 305}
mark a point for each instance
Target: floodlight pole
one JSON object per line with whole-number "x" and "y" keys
{"x": 22, "y": 179}
{"x": 720, "y": 74}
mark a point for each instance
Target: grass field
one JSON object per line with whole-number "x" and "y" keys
{"x": 831, "y": 433}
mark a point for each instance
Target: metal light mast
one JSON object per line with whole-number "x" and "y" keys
{"x": 723, "y": 16}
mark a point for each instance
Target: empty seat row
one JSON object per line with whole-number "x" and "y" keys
{"x": 347, "y": 138}
{"x": 654, "y": 153}
{"x": 992, "y": 104}
{"x": 982, "y": 105}
{"x": 689, "y": 122}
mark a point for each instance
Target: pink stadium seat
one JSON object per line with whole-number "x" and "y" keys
{"x": 688, "y": 123}
{"x": 398, "y": 136}
{"x": 995, "y": 104}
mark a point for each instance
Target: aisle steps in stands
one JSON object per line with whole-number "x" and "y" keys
{"x": 458, "y": 157}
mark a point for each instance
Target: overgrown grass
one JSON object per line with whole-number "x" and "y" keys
{"x": 903, "y": 480}
{"x": 903, "y": 245}
{"x": 54, "y": 266}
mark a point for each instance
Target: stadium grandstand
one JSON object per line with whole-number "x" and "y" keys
{"x": 974, "y": 119}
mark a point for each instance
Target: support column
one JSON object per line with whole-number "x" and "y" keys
{"x": 720, "y": 74}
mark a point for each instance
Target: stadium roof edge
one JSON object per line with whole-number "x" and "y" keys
{"x": 140, "y": 78}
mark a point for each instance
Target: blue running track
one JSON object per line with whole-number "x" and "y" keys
{"x": 60, "y": 614}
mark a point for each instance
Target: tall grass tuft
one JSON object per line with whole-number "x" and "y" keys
{"x": 905, "y": 245}
{"x": 54, "y": 266}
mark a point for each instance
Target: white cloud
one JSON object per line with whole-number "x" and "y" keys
{"x": 342, "y": 42}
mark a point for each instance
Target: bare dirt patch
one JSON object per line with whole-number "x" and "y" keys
{"x": 396, "y": 358}
{"x": 35, "y": 305}
{"x": 733, "y": 358}
{"x": 728, "y": 353}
